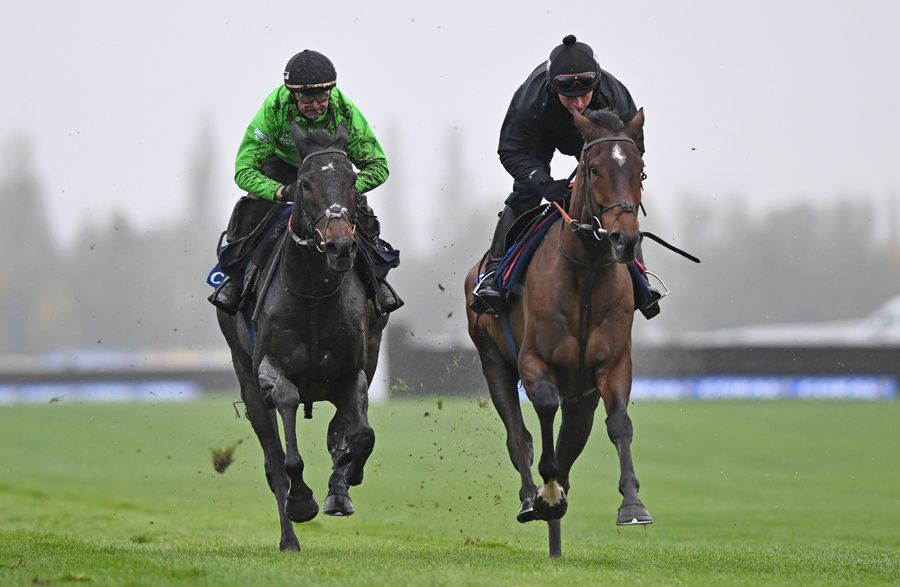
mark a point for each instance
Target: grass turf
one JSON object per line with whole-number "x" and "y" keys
{"x": 775, "y": 493}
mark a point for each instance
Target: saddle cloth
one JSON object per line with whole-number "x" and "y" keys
{"x": 512, "y": 267}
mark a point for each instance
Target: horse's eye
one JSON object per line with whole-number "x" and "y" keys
{"x": 594, "y": 170}
{"x": 305, "y": 185}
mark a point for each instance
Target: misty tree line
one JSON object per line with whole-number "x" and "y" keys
{"x": 117, "y": 287}
{"x": 798, "y": 263}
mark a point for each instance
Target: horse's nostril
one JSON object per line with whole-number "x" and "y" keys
{"x": 340, "y": 248}
{"x": 623, "y": 246}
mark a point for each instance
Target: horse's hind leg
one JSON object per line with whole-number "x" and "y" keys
{"x": 300, "y": 505}
{"x": 577, "y": 422}
{"x": 263, "y": 421}
{"x": 350, "y": 442}
{"x": 615, "y": 394}
{"x": 501, "y": 379}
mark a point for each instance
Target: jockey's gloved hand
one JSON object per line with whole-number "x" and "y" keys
{"x": 287, "y": 194}
{"x": 557, "y": 191}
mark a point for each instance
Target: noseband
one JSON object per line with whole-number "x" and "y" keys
{"x": 598, "y": 231}
{"x": 315, "y": 237}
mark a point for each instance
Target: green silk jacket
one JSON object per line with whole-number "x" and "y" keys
{"x": 270, "y": 133}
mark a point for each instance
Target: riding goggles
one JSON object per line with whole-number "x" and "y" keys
{"x": 570, "y": 81}
{"x": 321, "y": 98}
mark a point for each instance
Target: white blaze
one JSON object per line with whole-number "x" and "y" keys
{"x": 330, "y": 166}
{"x": 618, "y": 155}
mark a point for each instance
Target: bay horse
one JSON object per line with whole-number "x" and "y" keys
{"x": 316, "y": 337}
{"x": 572, "y": 326}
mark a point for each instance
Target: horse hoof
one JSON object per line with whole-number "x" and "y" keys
{"x": 550, "y": 502}
{"x": 633, "y": 514}
{"x": 338, "y": 505}
{"x": 526, "y": 511}
{"x": 300, "y": 511}
{"x": 290, "y": 545}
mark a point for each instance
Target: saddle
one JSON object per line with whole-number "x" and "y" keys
{"x": 522, "y": 241}
{"x": 254, "y": 230}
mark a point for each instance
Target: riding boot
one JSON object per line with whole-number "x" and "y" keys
{"x": 487, "y": 298}
{"x": 391, "y": 299}
{"x": 227, "y": 297}
{"x": 646, "y": 297}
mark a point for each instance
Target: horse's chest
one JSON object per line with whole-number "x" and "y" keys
{"x": 320, "y": 354}
{"x": 564, "y": 343}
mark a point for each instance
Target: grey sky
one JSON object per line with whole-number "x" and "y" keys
{"x": 778, "y": 99}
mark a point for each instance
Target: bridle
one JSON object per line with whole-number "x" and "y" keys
{"x": 315, "y": 237}
{"x": 597, "y": 231}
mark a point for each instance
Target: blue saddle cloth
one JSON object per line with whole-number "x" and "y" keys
{"x": 237, "y": 252}
{"x": 512, "y": 267}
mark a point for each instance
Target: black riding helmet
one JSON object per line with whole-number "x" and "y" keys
{"x": 309, "y": 72}
{"x": 573, "y": 69}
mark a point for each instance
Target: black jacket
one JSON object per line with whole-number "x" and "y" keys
{"x": 536, "y": 124}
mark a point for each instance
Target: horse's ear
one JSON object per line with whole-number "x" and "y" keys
{"x": 636, "y": 125}
{"x": 342, "y": 136}
{"x": 584, "y": 126}
{"x": 299, "y": 139}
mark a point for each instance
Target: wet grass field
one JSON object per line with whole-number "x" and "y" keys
{"x": 742, "y": 493}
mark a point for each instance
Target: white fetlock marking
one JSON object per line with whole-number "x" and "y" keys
{"x": 551, "y": 493}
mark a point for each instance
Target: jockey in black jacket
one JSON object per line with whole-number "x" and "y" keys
{"x": 538, "y": 123}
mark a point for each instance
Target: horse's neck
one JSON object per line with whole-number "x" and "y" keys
{"x": 306, "y": 270}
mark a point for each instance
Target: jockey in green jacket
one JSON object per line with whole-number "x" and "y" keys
{"x": 267, "y": 159}
{"x": 269, "y": 134}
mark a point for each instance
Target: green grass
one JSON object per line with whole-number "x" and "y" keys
{"x": 765, "y": 493}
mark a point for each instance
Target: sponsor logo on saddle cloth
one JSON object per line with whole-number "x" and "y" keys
{"x": 216, "y": 276}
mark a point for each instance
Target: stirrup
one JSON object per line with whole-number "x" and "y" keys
{"x": 491, "y": 304}
{"x": 481, "y": 305}
{"x": 665, "y": 291}
{"x": 651, "y": 309}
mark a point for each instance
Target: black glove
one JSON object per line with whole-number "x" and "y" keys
{"x": 557, "y": 191}
{"x": 287, "y": 194}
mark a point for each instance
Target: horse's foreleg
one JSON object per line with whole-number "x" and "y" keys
{"x": 501, "y": 378}
{"x": 550, "y": 502}
{"x": 350, "y": 442}
{"x": 266, "y": 428}
{"x": 300, "y": 506}
{"x": 373, "y": 347}
{"x": 615, "y": 392}
{"x": 577, "y": 422}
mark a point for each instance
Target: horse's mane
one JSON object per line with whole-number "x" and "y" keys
{"x": 320, "y": 138}
{"x": 605, "y": 118}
